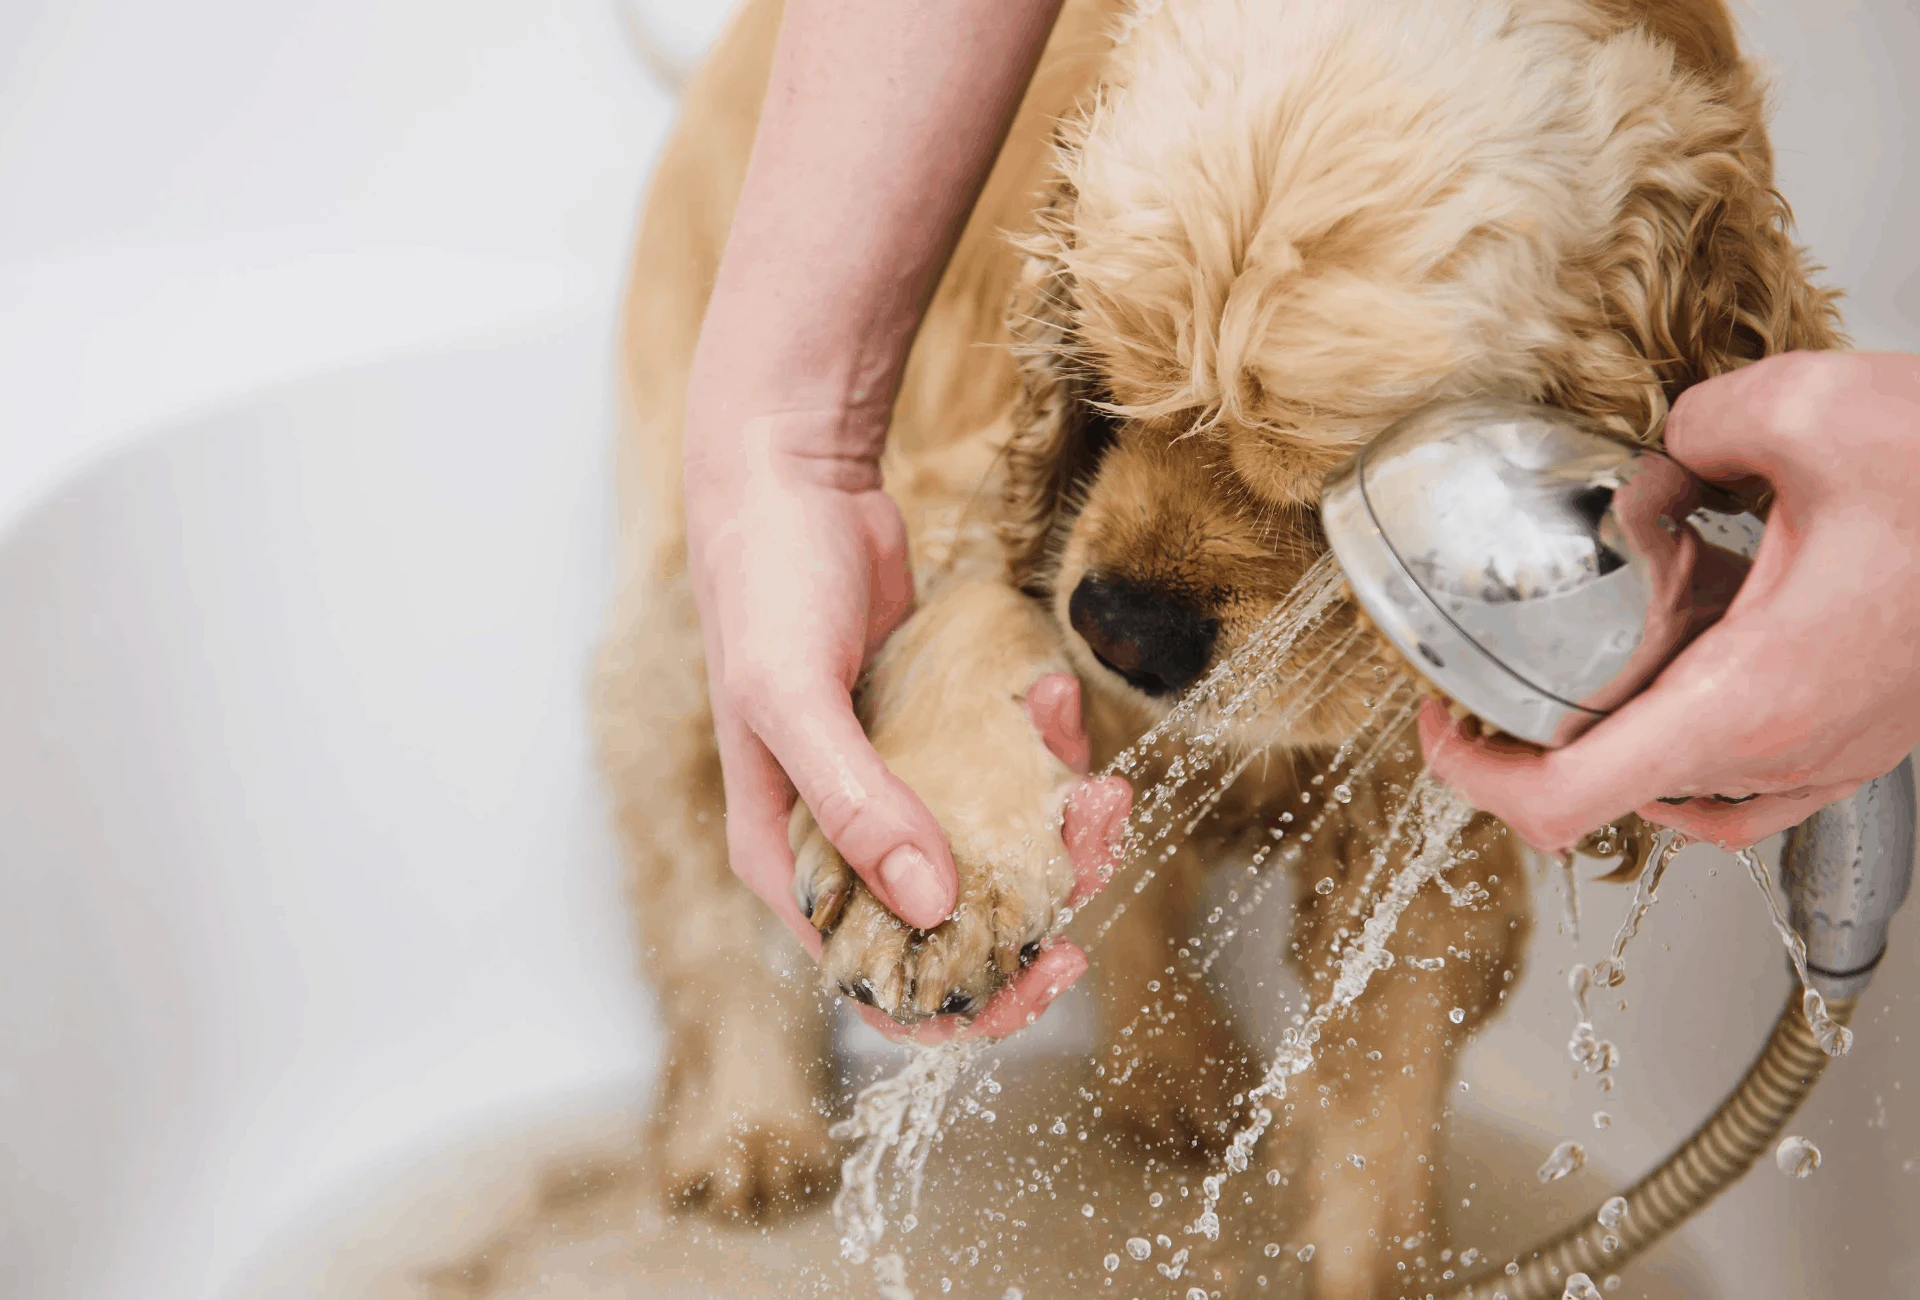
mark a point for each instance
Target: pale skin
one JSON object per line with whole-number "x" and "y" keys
{"x": 881, "y": 121}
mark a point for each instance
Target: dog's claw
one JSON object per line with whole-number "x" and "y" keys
{"x": 956, "y": 1003}
{"x": 825, "y": 910}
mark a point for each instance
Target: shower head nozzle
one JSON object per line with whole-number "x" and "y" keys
{"x": 1534, "y": 569}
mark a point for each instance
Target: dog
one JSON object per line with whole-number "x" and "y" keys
{"x": 1225, "y": 244}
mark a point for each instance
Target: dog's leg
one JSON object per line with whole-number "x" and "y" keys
{"x": 1170, "y": 1061}
{"x": 945, "y": 706}
{"x": 738, "y": 1125}
{"x": 1374, "y": 1102}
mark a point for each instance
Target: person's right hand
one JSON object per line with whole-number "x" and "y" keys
{"x": 799, "y": 570}
{"x": 1809, "y": 686}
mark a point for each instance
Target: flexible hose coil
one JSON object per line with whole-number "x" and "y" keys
{"x": 1707, "y": 1163}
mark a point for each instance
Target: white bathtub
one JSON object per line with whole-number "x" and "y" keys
{"x": 304, "y": 860}
{"x": 304, "y": 876}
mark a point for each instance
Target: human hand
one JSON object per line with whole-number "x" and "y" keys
{"x": 1094, "y": 817}
{"x": 799, "y": 569}
{"x": 1809, "y": 686}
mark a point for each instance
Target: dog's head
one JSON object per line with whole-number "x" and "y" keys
{"x": 1278, "y": 228}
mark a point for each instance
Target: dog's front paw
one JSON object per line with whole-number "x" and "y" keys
{"x": 1007, "y": 905}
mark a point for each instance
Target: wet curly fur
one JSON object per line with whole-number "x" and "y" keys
{"x": 1226, "y": 242}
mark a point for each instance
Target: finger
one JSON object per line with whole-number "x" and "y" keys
{"x": 1664, "y": 741}
{"x": 1053, "y": 705}
{"x": 879, "y": 825}
{"x": 759, "y": 801}
{"x": 1738, "y": 826}
{"x": 1020, "y": 1003}
{"x": 1094, "y": 826}
{"x": 1749, "y": 422}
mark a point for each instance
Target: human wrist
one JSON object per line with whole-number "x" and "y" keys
{"x": 768, "y": 346}
{"x": 771, "y": 436}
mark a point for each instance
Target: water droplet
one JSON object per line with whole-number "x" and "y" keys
{"x": 1086, "y": 1211}
{"x": 1566, "y": 1158}
{"x": 1324, "y": 887}
{"x": 1343, "y": 793}
{"x": 1357, "y": 1160}
{"x": 1272, "y": 1249}
{"x": 1513, "y": 1270}
{"x": 1580, "y": 1287}
{"x": 1156, "y": 1200}
{"x": 1196, "y": 1293}
{"x": 1468, "y": 1256}
{"x": 1139, "y": 1247}
{"x": 1273, "y": 1177}
{"x": 1611, "y": 1282}
{"x": 1059, "y": 1126}
{"x": 1305, "y": 1253}
{"x": 1609, "y": 1243}
{"x": 1464, "y": 1086}
{"x": 1613, "y": 1213}
{"x": 1458, "y": 1015}
{"x": 1602, "y": 1120}
{"x": 1112, "y": 1263}
{"x": 1796, "y": 1156}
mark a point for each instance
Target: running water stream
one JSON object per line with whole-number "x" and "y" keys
{"x": 897, "y": 1121}
{"x": 1835, "y": 1039}
{"x": 1440, "y": 816}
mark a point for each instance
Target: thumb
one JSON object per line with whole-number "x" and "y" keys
{"x": 879, "y": 826}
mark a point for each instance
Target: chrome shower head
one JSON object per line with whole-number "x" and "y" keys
{"x": 1537, "y": 571}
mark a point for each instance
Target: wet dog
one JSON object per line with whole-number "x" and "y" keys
{"x": 1225, "y": 244}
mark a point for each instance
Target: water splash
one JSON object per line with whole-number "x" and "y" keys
{"x": 897, "y": 1121}
{"x": 898, "y": 1117}
{"x": 1796, "y": 1157}
{"x": 1568, "y": 1157}
{"x": 1570, "y": 894}
{"x": 1834, "y": 1038}
{"x": 1442, "y": 815}
{"x": 1612, "y": 973}
{"x": 1586, "y": 1048}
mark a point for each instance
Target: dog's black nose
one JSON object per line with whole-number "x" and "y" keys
{"x": 1157, "y": 643}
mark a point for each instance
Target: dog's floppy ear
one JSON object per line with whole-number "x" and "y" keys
{"x": 1058, "y": 427}
{"x": 1701, "y": 275}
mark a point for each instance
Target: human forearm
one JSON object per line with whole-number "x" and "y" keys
{"x": 882, "y": 119}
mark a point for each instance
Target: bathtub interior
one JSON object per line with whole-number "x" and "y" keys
{"x": 315, "y": 957}
{"x": 305, "y": 858}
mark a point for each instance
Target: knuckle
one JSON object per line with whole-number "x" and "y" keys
{"x": 840, "y": 813}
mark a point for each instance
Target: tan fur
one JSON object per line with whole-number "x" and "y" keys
{"x": 1216, "y": 255}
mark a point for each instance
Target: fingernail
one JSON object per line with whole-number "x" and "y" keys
{"x": 912, "y": 886}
